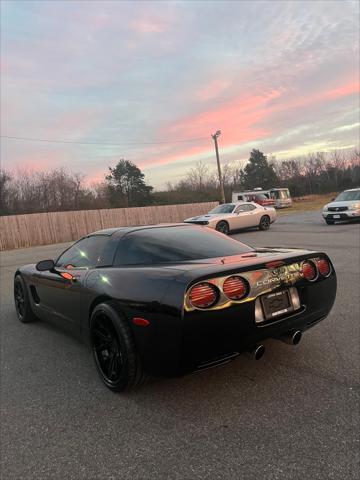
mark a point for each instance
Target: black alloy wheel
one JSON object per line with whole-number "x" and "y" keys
{"x": 264, "y": 223}
{"x": 107, "y": 349}
{"x": 19, "y": 300}
{"x": 113, "y": 348}
{"x": 223, "y": 227}
{"x": 22, "y": 301}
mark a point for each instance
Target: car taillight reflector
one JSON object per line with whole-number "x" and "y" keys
{"x": 235, "y": 288}
{"x": 324, "y": 267}
{"x": 309, "y": 270}
{"x": 203, "y": 295}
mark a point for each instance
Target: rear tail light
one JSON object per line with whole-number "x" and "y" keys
{"x": 235, "y": 288}
{"x": 324, "y": 267}
{"x": 203, "y": 295}
{"x": 309, "y": 270}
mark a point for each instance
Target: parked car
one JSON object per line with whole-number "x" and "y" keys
{"x": 231, "y": 216}
{"x": 346, "y": 206}
{"x": 281, "y": 196}
{"x": 169, "y": 300}
{"x": 257, "y": 197}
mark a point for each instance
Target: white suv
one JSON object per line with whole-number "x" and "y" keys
{"x": 346, "y": 206}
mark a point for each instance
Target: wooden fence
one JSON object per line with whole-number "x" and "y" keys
{"x": 18, "y": 231}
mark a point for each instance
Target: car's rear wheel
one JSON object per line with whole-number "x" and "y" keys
{"x": 264, "y": 223}
{"x": 223, "y": 227}
{"x": 113, "y": 348}
{"x": 329, "y": 222}
{"x": 22, "y": 301}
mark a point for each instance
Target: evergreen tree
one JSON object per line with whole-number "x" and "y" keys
{"x": 126, "y": 186}
{"x": 259, "y": 172}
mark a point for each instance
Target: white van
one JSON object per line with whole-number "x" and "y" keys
{"x": 281, "y": 196}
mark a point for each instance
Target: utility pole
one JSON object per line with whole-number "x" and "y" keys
{"x": 222, "y": 193}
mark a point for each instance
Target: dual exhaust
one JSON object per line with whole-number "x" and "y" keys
{"x": 291, "y": 338}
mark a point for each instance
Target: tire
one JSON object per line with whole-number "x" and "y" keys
{"x": 223, "y": 227}
{"x": 329, "y": 222}
{"x": 22, "y": 301}
{"x": 264, "y": 223}
{"x": 113, "y": 348}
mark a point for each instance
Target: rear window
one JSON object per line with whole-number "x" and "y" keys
{"x": 175, "y": 244}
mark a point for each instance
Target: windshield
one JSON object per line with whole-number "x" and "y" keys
{"x": 225, "y": 208}
{"x": 174, "y": 245}
{"x": 348, "y": 196}
{"x": 280, "y": 194}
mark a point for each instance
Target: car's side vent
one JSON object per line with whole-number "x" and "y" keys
{"x": 34, "y": 294}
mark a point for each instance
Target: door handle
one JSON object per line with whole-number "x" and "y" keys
{"x": 68, "y": 276}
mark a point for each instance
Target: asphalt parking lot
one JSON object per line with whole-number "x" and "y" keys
{"x": 292, "y": 415}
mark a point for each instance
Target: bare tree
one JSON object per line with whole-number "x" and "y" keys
{"x": 198, "y": 176}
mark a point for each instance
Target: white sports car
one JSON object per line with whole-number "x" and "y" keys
{"x": 231, "y": 216}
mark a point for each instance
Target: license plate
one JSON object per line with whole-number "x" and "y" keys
{"x": 336, "y": 216}
{"x": 276, "y": 304}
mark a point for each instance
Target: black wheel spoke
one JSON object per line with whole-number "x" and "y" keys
{"x": 117, "y": 363}
{"x": 111, "y": 366}
{"x": 102, "y": 346}
{"x": 106, "y": 338}
{"x": 106, "y": 348}
{"x": 19, "y": 300}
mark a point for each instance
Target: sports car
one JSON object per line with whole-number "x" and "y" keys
{"x": 173, "y": 299}
{"x": 231, "y": 216}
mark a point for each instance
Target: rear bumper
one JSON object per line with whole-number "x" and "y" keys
{"x": 283, "y": 204}
{"x": 216, "y": 335}
{"x": 177, "y": 343}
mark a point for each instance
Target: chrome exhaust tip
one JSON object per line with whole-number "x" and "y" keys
{"x": 292, "y": 338}
{"x": 257, "y": 352}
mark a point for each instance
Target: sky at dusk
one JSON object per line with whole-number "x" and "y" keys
{"x": 153, "y": 80}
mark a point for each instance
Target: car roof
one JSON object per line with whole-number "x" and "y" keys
{"x": 352, "y": 189}
{"x": 239, "y": 202}
{"x": 124, "y": 230}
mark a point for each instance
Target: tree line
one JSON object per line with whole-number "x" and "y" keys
{"x": 125, "y": 186}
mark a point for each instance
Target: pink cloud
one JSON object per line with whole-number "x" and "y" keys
{"x": 213, "y": 89}
{"x": 234, "y": 116}
{"x": 147, "y": 25}
{"x": 347, "y": 89}
{"x": 41, "y": 160}
{"x": 244, "y": 119}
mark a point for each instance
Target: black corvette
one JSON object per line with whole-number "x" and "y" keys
{"x": 172, "y": 299}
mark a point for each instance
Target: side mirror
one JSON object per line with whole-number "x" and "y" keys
{"x": 45, "y": 265}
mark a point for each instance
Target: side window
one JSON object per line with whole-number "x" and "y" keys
{"x": 86, "y": 253}
{"x": 245, "y": 208}
{"x": 240, "y": 208}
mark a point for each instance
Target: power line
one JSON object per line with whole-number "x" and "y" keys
{"x": 46, "y": 140}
